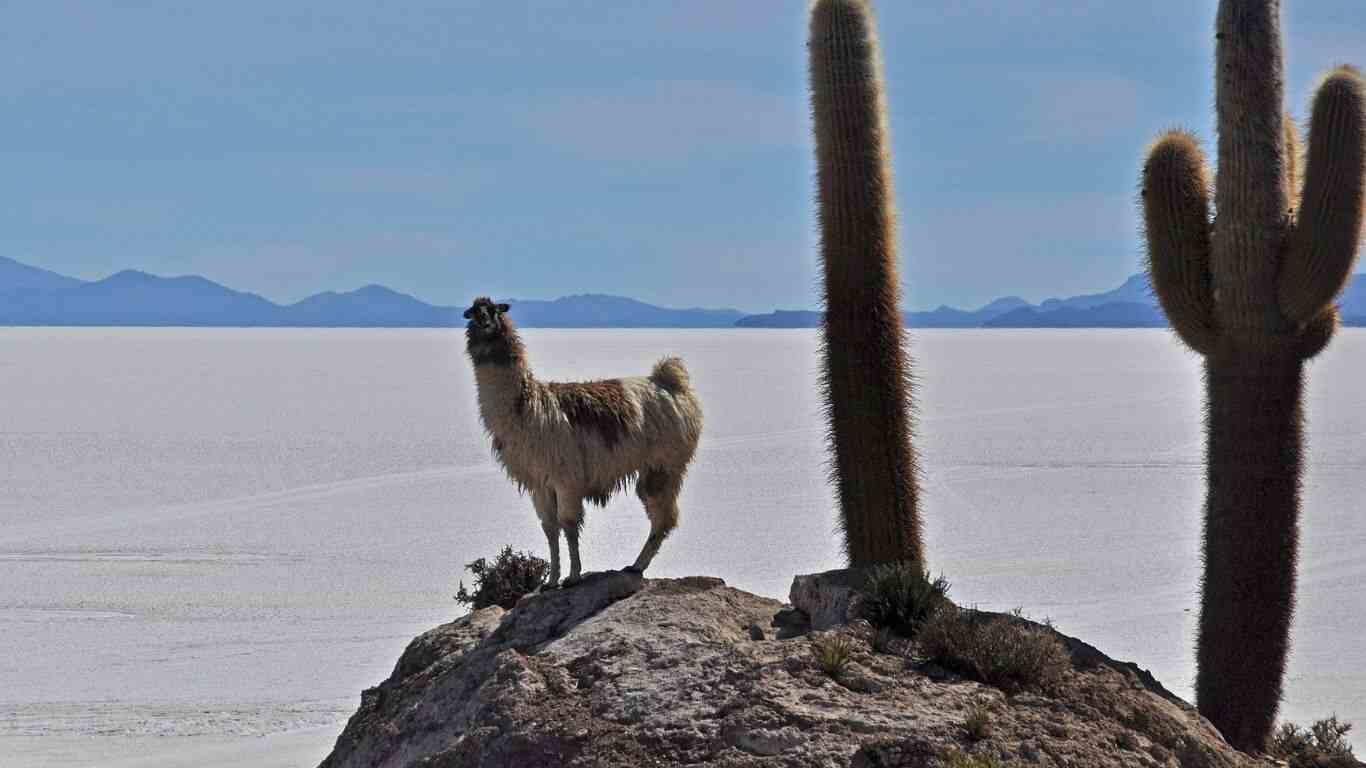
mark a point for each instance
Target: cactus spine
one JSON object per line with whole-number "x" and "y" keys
{"x": 1251, "y": 290}
{"x": 866, "y": 377}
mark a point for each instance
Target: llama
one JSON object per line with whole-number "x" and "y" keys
{"x": 571, "y": 442}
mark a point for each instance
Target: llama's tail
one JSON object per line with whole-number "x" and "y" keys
{"x": 670, "y": 374}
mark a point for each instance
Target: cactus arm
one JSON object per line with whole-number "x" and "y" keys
{"x": 1328, "y": 233}
{"x": 1175, "y": 191}
{"x": 1249, "y": 230}
{"x": 1317, "y": 333}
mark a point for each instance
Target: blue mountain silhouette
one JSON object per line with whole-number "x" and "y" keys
{"x": 33, "y": 296}
{"x": 1131, "y": 305}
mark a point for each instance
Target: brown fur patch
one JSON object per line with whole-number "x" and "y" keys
{"x": 599, "y": 496}
{"x": 652, "y": 482}
{"x": 601, "y": 406}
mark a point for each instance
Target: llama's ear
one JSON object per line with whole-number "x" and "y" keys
{"x": 503, "y": 308}
{"x": 469, "y": 312}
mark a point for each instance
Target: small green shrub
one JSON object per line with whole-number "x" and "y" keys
{"x": 1291, "y": 740}
{"x": 901, "y": 596}
{"x": 1330, "y": 734}
{"x": 964, "y": 760}
{"x": 504, "y": 581}
{"x": 1303, "y": 748}
{"x": 832, "y": 653}
{"x": 994, "y": 650}
{"x": 978, "y": 722}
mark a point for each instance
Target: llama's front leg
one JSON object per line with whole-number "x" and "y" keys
{"x": 544, "y": 499}
{"x": 571, "y": 520}
{"x": 552, "y": 537}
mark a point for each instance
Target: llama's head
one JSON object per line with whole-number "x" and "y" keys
{"x": 489, "y": 333}
{"x": 485, "y": 318}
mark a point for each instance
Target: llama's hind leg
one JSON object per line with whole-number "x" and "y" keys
{"x": 658, "y": 490}
{"x": 544, "y": 499}
{"x": 570, "y": 518}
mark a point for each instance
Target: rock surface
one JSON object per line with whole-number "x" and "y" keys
{"x": 828, "y": 599}
{"x": 621, "y": 671}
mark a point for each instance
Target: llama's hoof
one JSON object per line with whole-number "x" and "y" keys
{"x": 570, "y": 581}
{"x": 632, "y": 569}
{"x": 548, "y": 586}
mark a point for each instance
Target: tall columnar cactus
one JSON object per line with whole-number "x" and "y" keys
{"x": 866, "y": 377}
{"x": 1249, "y": 285}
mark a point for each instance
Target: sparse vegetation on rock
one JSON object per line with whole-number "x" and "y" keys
{"x": 1013, "y": 655}
{"x": 1322, "y": 745}
{"x": 901, "y": 596}
{"x": 832, "y": 652}
{"x": 965, "y": 760}
{"x": 503, "y": 581}
{"x": 977, "y": 724}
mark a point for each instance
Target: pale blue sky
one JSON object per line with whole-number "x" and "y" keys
{"x": 657, "y": 149}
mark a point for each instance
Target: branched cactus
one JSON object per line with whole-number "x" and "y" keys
{"x": 1251, "y": 289}
{"x": 866, "y": 375}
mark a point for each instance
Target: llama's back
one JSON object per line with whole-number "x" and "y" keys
{"x": 670, "y": 381}
{"x": 672, "y": 420}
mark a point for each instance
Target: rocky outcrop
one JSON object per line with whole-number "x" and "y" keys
{"x": 621, "y": 671}
{"x": 828, "y": 599}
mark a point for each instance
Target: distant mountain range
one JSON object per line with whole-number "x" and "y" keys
{"x": 1131, "y": 305}
{"x": 33, "y": 296}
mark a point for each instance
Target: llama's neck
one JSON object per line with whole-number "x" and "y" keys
{"x": 502, "y": 393}
{"x": 503, "y": 379}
